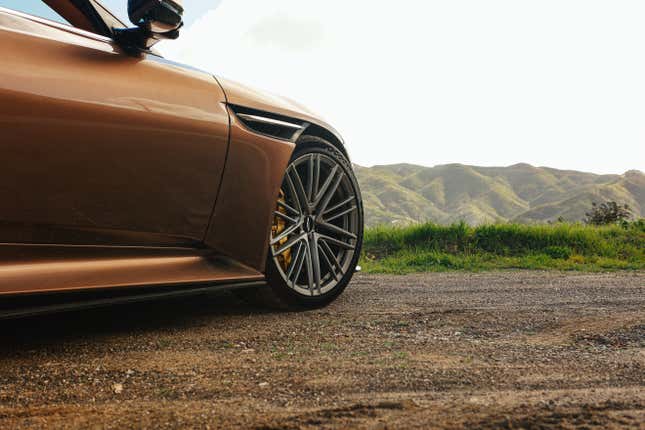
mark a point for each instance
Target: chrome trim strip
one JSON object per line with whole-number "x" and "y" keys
{"x": 265, "y": 120}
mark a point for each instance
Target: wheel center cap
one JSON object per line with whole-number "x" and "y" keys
{"x": 309, "y": 224}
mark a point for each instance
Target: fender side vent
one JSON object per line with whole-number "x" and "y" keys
{"x": 269, "y": 124}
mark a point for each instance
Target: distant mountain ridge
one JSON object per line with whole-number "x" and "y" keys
{"x": 407, "y": 193}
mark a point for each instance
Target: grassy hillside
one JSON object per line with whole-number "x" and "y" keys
{"x": 406, "y": 193}
{"x": 430, "y": 247}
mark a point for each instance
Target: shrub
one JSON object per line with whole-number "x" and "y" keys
{"x": 560, "y": 252}
{"x": 608, "y": 213}
{"x": 577, "y": 259}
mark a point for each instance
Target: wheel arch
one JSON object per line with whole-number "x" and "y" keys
{"x": 328, "y": 135}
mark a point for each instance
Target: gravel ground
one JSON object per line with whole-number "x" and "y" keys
{"x": 506, "y": 349}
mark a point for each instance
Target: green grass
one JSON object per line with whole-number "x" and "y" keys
{"x": 431, "y": 247}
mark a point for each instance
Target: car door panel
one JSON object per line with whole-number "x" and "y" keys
{"x": 99, "y": 147}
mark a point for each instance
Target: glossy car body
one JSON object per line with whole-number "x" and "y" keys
{"x": 122, "y": 170}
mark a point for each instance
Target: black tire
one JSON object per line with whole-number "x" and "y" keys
{"x": 279, "y": 294}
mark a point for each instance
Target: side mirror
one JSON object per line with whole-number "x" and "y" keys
{"x": 154, "y": 19}
{"x": 158, "y": 16}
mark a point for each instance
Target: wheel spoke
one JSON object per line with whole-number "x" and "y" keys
{"x": 343, "y": 213}
{"x": 310, "y": 177}
{"x": 285, "y": 217}
{"x": 339, "y": 243}
{"x": 331, "y": 254}
{"x": 336, "y": 229}
{"x": 310, "y": 278}
{"x": 332, "y": 262}
{"x": 300, "y": 189}
{"x": 321, "y": 205}
{"x": 325, "y": 186}
{"x": 339, "y": 205}
{"x": 288, "y": 208}
{"x": 289, "y": 244}
{"x": 297, "y": 262}
{"x": 316, "y": 176}
{"x": 292, "y": 191}
{"x": 315, "y": 261}
{"x": 286, "y": 233}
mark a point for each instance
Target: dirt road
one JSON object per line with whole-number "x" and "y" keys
{"x": 509, "y": 349}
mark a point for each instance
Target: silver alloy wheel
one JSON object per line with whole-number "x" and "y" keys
{"x": 316, "y": 225}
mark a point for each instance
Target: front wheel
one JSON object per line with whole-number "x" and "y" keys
{"x": 317, "y": 230}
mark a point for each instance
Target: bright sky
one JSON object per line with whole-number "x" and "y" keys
{"x": 557, "y": 83}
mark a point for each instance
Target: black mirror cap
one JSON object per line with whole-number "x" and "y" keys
{"x": 155, "y": 20}
{"x": 156, "y": 16}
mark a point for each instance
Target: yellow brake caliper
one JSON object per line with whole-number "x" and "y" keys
{"x": 279, "y": 225}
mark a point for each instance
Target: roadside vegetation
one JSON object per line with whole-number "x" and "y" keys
{"x": 559, "y": 246}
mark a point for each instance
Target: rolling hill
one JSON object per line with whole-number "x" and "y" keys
{"x": 407, "y": 193}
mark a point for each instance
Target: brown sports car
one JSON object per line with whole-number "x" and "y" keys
{"x": 119, "y": 168}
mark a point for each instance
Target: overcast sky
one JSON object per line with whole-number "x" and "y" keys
{"x": 557, "y": 83}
